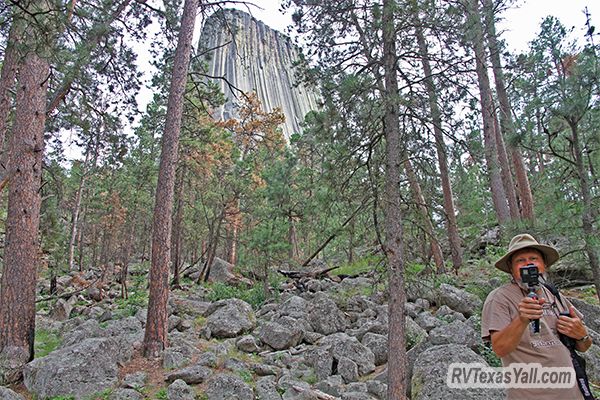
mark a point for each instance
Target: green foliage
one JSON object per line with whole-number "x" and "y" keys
{"x": 360, "y": 266}
{"x": 130, "y": 306}
{"x": 62, "y": 398}
{"x": 246, "y": 376}
{"x": 46, "y": 341}
{"x": 255, "y": 296}
{"x": 161, "y": 394}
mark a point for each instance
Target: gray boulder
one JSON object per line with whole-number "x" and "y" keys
{"x": 266, "y": 388}
{"x": 247, "y": 344}
{"x": 230, "y": 318}
{"x": 126, "y": 394}
{"x": 430, "y": 371}
{"x": 459, "y": 300}
{"x": 7, "y": 394}
{"x": 191, "y": 375}
{"x": 591, "y": 313}
{"x": 62, "y": 309}
{"x": 295, "y": 307}
{"x": 378, "y": 345}
{"x": 347, "y": 369}
{"x": 278, "y": 336}
{"x": 228, "y": 387}
{"x": 341, "y": 345}
{"x": 414, "y": 333}
{"x": 325, "y": 317}
{"x": 179, "y": 390}
{"x": 79, "y": 370}
{"x": 456, "y": 332}
{"x": 427, "y": 321}
{"x": 592, "y": 359}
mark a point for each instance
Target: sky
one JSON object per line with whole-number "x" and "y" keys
{"x": 520, "y": 25}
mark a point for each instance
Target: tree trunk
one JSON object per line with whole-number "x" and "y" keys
{"x": 589, "y": 231}
{"x": 507, "y": 180}
{"x": 155, "y": 337}
{"x": 234, "y": 222}
{"x": 77, "y": 211}
{"x": 21, "y": 253}
{"x": 394, "y": 247}
{"x": 450, "y": 214}
{"x": 506, "y": 120}
{"x": 7, "y": 79}
{"x": 490, "y": 147}
{"x": 436, "y": 250}
{"x": 177, "y": 234}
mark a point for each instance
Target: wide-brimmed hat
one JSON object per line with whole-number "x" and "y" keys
{"x": 523, "y": 241}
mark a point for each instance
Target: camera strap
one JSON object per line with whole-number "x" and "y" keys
{"x": 578, "y": 361}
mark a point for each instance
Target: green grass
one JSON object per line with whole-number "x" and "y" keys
{"x": 255, "y": 296}
{"x": 46, "y": 341}
{"x": 161, "y": 394}
{"x": 363, "y": 265}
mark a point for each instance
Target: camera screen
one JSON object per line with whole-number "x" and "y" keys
{"x": 530, "y": 274}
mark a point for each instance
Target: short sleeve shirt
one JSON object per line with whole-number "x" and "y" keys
{"x": 545, "y": 347}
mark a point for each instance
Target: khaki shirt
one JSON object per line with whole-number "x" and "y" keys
{"x": 545, "y": 347}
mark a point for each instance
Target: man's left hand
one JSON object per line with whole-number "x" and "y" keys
{"x": 571, "y": 325}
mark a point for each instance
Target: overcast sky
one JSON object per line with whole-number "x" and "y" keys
{"x": 520, "y": 25}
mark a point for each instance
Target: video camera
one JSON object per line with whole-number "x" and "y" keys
{"x": 530, "y": 275}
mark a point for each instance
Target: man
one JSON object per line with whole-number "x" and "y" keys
{"x": 508, "y": 312}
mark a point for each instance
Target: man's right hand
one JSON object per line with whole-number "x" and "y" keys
{"x": 530, "y": 309}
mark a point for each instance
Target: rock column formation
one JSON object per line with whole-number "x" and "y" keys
{"x": 255, "y": 58}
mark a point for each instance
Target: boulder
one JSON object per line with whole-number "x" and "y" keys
{"x": 179, "y": 390}
{"x": 126, "y": 394}
{"x": 230, "y": 318}
{"x": 228, "y": 387}
{"x": 456, "y": 332}
{"x": 266, "y": 388}
{"x": 295, "y": 307}
{"x": 431, "y": 369}
{"x": 341, "y": 345}
{"x": 7, "y": 394}
{"x": 278, "y": 336}
{"x": 191, "y": 375}
{"x": 378, "y": 345}
{"x": 62, "y": 309}
{"x": 325, "y": 317}
{"x": 80, "y": 370}
{"x": 459, "y": 300}
{"x": 591, "y": 313}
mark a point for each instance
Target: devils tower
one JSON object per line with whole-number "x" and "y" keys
{"x": 255, "y": 58}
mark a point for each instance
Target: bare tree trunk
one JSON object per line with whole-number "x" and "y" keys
{"x": 507, "y": 180}
{"x": 77, "y": 210}
{"x": 490, "y": 147}
{"x": 234, "y": 222}
{"x": 506, "y": 121}
{"x": 294, "y": 252}
{"x": 177, "y": 234}
{"x": 394, "y": 246}
{"x": 155, "y": 337}
{"x": 7, "y": 78}
{"x": 451, "y": 224}
{"x": 21, "y": 254}
{"x": 436, "y": 250}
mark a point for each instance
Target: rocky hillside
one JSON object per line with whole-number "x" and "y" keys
{"x": 328, "y": 341}
{"x": 255, "y": 58}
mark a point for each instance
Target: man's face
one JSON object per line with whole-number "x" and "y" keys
{"x": 525, "y": 257}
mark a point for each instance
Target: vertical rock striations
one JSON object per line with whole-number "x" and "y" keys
{"x": 253, "y": 57}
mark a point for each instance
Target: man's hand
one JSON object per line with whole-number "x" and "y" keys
{"x": 571, "y": 325}
{"x": 530, "y": 309}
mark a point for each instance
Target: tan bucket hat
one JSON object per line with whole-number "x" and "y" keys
{"x": 522, "y": 241}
